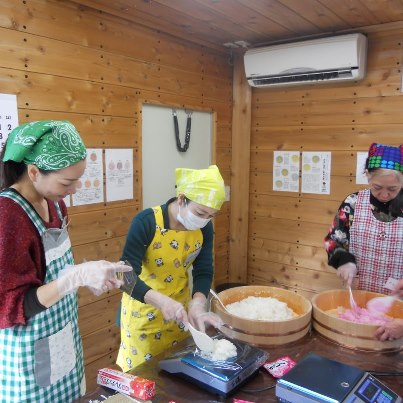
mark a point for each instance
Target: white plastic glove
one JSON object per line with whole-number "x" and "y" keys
{"x": 347, "y": 272}
{"x": 171, "y": 309}
{"x": 99, "y": 276}
{"x": 390, "y": 331}
{"x": 198, "y": 316}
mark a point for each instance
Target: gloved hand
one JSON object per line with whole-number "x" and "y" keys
{"x": 398, "y": 290}
{"x": 347, "y": 272}
{"x": 390, "y": 331}
{"x": 199, "y": 316}
{"x": 171, "y": 309}
{"x": 99, "y": 276}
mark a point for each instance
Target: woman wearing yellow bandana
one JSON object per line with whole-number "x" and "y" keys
{"x": 162, "y": 244}
{"x": 40, "y": 344}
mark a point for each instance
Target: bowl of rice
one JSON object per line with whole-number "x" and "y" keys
{"x": 263, "y": 316}
{"x": 334, "y": 319}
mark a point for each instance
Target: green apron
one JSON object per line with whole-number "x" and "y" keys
{"x": 42, "y": 361}
{"x": 144, "y": 333}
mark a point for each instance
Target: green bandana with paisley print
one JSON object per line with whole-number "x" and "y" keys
{"x": 49, "y": 144}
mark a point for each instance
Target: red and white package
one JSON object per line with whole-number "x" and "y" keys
{"x": 279, "y": 367}
{"x": 131, "y": 385}
{"x": 241, "y": 401}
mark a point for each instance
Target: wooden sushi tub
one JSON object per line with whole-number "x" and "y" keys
{"x": 346, "y": 333}
{"x": 261, "y": 332}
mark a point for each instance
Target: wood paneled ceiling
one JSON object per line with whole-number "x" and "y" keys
{"x": 214, "y": 23}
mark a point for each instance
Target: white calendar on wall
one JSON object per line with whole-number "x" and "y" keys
{"x": 8, "y": 116}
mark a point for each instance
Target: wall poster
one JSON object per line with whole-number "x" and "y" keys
{"x": 90, "y": 187}
{"x": 360, "y": 177}
{"x": 316, "y": 169}
{"x": 67, "y": 201}
{"x": 119, "y": 174}
{"x": 8, "y": 116}
{"x": 286, "y": 171}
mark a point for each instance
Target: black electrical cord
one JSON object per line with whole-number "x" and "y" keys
{"x": 380, "y": 373}
{"x": 258, "y": 390}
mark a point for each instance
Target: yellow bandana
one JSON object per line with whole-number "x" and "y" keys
{"x": 203, "y": 186}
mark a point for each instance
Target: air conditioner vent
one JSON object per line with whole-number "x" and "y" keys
{"x": 306, "y": 77}
{"x": 331, "y": 59}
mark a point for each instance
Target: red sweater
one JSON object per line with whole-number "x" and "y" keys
{"x": 22, "y": 258}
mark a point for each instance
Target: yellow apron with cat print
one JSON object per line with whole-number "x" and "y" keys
{"x": 144, "y": 333}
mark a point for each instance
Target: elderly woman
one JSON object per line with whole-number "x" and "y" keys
{"x": 366, "y": 236}
{"x": 40, "y": 345}
{"x": 163, "y": 244}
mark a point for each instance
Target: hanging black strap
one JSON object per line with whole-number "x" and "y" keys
{"x": 187, "y": 134}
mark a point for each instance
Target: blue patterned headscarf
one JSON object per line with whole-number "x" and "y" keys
{"x": 49, "y": 144}
{"x": 383, "y": 156}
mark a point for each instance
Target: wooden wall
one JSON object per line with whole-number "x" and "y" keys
{"x": 69, "y": 62}
{"x": 286, "y": 230}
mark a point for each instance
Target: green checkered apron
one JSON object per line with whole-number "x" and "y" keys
{"x": 42, "y": 361}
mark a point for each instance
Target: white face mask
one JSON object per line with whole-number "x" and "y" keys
{"x": 191, "y": 222}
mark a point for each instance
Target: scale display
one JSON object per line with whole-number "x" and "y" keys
{"x": 318, "y": 379}
{"x": 370, "y": 390}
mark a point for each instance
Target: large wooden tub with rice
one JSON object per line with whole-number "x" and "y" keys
{"x": 346, "y": 333}
{"x": 263, "y": 332}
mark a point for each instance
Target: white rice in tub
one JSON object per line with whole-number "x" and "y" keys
{"x": 261, "y": 308}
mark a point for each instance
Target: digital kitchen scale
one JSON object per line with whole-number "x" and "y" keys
{"x": 318, "y": 379}
{"x": 221, "y": 377}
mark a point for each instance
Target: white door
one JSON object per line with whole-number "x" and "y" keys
{"x": 160, "y": 156}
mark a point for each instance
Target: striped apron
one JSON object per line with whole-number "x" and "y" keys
{"x": 42, "y": 361}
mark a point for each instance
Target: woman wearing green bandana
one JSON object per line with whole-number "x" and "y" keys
{"x": 41, "y": 352}
{"x": 163, "y": 245}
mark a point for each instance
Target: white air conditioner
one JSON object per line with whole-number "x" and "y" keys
{"x": 329, "y": 59}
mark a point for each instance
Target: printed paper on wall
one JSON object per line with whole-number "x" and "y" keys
{"x": 8, "y": 116}
{"x": 360, "y": 177}
{"x": 316, "y": 169}
{"x": 91, "y": 187}
{"x": 286, "y": 171}
{"x": 119, "y": 174}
